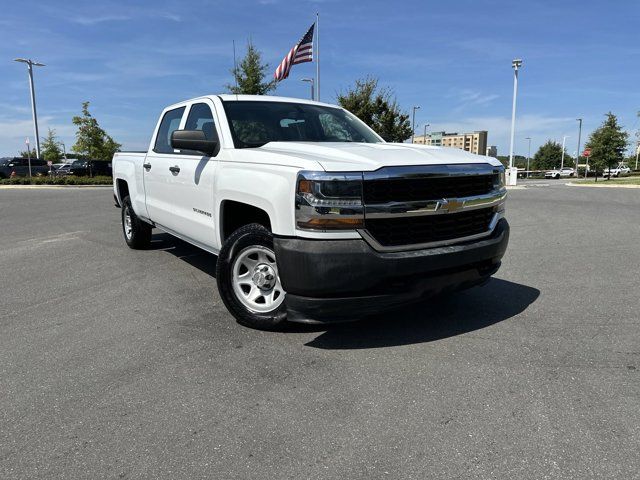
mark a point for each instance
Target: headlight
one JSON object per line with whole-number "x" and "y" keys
{"x": 329, "y": 201}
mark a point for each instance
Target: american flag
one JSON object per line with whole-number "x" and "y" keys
{"x": 300, "y": 53}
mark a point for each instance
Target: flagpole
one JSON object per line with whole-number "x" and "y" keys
{"x": 317, "y": 57}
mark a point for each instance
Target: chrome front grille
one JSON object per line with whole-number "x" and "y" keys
{"x": 421, "y": 207}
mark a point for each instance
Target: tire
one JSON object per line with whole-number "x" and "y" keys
{"x": 136, "y": 232}
{"x": 248, "y": 281}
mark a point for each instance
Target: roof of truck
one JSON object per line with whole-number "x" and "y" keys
{"x": 262, "y": 98}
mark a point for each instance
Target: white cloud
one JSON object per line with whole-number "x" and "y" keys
{"x": 13, "y": 133}
{"x": 92, "y": 20}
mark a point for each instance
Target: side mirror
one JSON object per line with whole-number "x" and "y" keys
{"x": 193, "y": 140}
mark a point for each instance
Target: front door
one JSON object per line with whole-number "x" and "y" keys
{"x": 193, "y": 185}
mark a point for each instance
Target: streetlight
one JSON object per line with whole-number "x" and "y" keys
{"x": 310, "y": 80}
{"x": 425, "y": 132}
{"x": 564, "y": 139}
{"x": 516, "y": 64}
{"x": 579, "y": 120}
{"x": 528, "y": 155}
{"x": 637, "y": 153}
{"x": 413, "y": 123}
{"x": 64, "y": 151}
{"x": 30, "y": 63}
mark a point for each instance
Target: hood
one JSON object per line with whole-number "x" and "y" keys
{"x": 348, "y": 157}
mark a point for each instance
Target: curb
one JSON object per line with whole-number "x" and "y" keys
{"x": 595, "y": 185}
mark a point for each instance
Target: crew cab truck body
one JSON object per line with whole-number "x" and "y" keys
{"x": 313, "y": 216}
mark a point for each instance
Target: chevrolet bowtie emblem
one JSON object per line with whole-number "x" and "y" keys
{"x": 451, "y": 205}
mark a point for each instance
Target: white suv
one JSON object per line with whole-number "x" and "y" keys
{"x": 618, "y": 171}
{"x": 557, "y": 173}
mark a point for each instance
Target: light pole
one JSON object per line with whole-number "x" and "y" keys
{"x": 579, "y": 120}
{"x": 564, "y": 139}
{"x": 64, "y": 151}
{"x": 30, "y": 63}
{"x": 516, "y": 64}
{"x": 528, "y": 155}
{"x": 310, "y": 80}
{"x": 425, "y": 132}
{"x": 637, "y": 153}
{"x": 413, "y": 123}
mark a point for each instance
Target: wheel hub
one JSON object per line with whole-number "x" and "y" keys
{"x": 264, "y": 276}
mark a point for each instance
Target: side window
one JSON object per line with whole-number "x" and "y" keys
{"x": 201, "y": 118}
{"x": 170, "y": 123}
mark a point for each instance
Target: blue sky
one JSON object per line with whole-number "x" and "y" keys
{"x": 130, "y": 59}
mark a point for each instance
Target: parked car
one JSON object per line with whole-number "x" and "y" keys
{"x": 83, "y": 168}
{"x": 62, "y": 169}
{"x": 557, "y": 173}
{"x": 313, "y": 216}
{"x": 19, "y": 167}
{"x": 620, "y": 170}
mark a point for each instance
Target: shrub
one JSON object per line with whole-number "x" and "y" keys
{"x": 66, "y": 180}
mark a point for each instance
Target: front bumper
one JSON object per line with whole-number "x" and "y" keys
{"x": 342, "y": 280}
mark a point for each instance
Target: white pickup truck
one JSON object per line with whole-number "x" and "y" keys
{"x": 313, "y": 216}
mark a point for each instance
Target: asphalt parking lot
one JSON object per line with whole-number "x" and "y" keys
{"x": 117, "y": 363}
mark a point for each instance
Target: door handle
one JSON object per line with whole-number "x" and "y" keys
{"x": 175, "y": 169}
{"x": 147, "y": 166}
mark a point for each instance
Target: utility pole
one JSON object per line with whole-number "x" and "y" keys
{"x": 513, "y": 175}
{"x": 28, "y": 155}
{"x": 637, "y": 153}
{"x": 564, "y": 139}
{"x": 579, "y": 138}
{"x": 425, "y": 132}
{"x": 528, "y": 155}
{"x": 413, "y": 124}
{"x": 30, "y": 64}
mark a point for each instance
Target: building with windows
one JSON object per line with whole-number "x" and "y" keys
{"x": 475, "y": 142}
{"x": 492, "y": 151}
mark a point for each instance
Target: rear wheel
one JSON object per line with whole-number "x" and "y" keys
{"x": 248, "y": 280}
{"x": 137, "y": 233}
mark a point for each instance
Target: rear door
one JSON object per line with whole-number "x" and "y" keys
{"x": 159, "y": 171}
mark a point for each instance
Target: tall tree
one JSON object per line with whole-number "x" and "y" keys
{"x": 92, "y": 142}
{"x": 608, "y": 144}
{"x": 250, "y": 74}
{"x": 51, "y": 147}
{"x": 377, "y": 108}
{"x": 548, "y": 156}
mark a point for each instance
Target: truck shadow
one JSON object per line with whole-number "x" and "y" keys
{"x": 194, "y": 256}
{"x": 430, "y": 320}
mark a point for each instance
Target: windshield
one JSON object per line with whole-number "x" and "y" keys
{"x": 255, "y": 123}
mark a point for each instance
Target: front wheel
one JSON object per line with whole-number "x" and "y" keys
{"x": 248, "y": 280}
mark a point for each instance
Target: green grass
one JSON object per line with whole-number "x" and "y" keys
{"x": 67, "y": 180}
{"x": 635, "y": 180}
